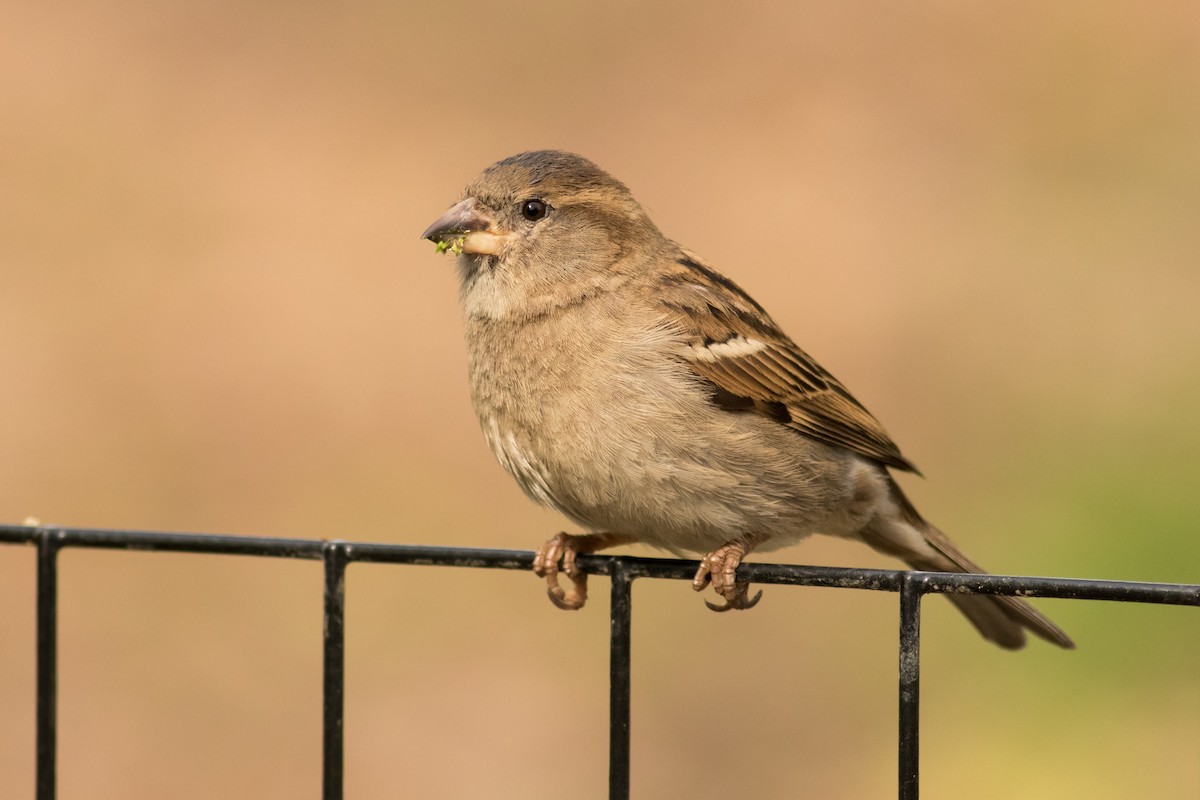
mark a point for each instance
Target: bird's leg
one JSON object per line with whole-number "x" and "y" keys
{"x": 564, "y": 547}
{"x": 720, "y": 568}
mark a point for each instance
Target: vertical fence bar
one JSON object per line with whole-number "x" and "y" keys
{"x": 619, "y": 660}
{"x": 47, "y": 663}
{"x": 335, "y": 555}
{"x": 910, "y": 684}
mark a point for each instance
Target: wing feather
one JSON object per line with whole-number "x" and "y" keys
{"x": 756, "y": 368}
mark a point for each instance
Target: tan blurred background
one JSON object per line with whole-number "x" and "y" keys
{"x": 215, "y": 315}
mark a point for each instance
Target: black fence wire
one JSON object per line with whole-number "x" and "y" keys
{"x": 337, "y": 555}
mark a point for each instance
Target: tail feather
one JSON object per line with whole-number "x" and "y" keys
{"x": 1002, "y": 619}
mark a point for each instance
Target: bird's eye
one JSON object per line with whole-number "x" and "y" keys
{"x": 533, "y": 210}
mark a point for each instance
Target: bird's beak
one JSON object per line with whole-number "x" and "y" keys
{"x": 466, "y": 228}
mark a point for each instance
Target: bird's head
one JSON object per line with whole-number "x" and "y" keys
{"x": 541, "y": 228}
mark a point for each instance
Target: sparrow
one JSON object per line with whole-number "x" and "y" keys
{"x": 624, "y": 382}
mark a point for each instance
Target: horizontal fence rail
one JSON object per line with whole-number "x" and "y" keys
{"x": 622, "y": 570}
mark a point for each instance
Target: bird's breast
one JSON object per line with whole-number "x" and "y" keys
{"x": 569, "y": 406}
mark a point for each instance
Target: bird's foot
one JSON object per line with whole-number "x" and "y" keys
{"x": 563, "y": 547}
{"x": 720, "y": 569}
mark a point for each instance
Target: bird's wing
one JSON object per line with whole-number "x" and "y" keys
{"x": 754, "y": 367}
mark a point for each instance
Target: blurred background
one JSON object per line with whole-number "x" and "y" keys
{"x": 215, "y": 315}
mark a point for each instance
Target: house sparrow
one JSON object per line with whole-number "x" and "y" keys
{"x": 626, "y": 383}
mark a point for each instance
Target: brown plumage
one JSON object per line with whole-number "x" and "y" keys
{"x": 779, "y": 373}
{"x": 626, "y": 383}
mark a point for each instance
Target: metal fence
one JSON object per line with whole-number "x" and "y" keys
{"x": 336, "y": 555}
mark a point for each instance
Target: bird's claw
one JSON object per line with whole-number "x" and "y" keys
{"x": 561, "y": 548}
{"x": 742, "y": 602}
{"x": 720, "y": 569}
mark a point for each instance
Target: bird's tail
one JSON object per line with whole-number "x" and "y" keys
{"x": 1000, "y": 618}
